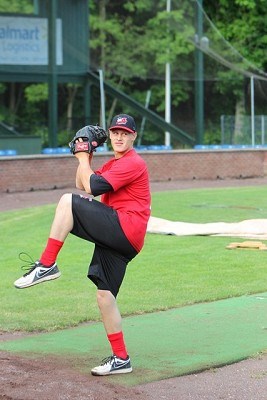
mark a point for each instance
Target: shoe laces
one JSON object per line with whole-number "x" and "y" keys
{"x": 107, "y": 360}
{"x": 30, "y": 263}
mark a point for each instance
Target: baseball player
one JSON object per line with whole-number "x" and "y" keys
{"x": 116, "y": 225}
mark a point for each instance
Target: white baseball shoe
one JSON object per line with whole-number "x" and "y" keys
{"x": 37, "y": 273}
{"x": 113, "y": 365}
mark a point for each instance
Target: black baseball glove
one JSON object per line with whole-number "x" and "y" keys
{"x": 92, "y": 136}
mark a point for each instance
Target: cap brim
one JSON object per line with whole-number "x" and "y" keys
{"x": 124, "y": 128}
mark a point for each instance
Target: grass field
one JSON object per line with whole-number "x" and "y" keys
{"x": 169, "y": 272}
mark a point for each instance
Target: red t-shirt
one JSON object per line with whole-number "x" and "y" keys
{"x": 130, "y": 197}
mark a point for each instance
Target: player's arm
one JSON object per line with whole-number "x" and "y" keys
{"x": 86, "y": 140}
{"x": 84, "y": 171}
{"x": 99, "y": 185}
{"x": 78, "y": 179}
{"x": 87, "y": 180}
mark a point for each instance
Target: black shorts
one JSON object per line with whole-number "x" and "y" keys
{"x": 98, "y": 223}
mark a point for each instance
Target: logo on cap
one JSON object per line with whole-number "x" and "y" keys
{"x": 121, "y": 121}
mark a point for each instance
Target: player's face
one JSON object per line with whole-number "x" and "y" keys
{"x": 121, "y": 141}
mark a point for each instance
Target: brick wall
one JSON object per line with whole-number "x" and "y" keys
{"x": 26, "y": 173}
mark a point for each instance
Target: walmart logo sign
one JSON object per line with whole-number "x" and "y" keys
{"x": 24, "y": 41}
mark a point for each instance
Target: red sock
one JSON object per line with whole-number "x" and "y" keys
{"x": 51, "y": 251}
{"x": 117, "y": 344}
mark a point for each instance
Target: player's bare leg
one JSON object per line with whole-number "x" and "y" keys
{"x": 119, "y": 362}
{"x": 63, "y": 219}
{"x": 111, "y": 316}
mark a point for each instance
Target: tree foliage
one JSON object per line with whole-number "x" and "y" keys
{"x": 16, "y": 6}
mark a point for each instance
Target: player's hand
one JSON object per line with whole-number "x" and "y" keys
{"x": 82, "y": 154}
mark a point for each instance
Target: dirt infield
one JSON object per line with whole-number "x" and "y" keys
{"x": 50, "y": 378}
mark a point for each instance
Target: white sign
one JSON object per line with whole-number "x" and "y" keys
{"x": 24, "y": 41}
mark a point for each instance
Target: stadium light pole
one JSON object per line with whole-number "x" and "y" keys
{"x": 252, "y": 111}
{"x": 102, "y": 99}
{"x": 103, "y": 103}
{"x": 168, "y": 89}
{"x": 199, "y": 85}
{"x": 52, "y": 74}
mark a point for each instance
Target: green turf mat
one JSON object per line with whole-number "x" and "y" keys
{"x": 165, "y": 344}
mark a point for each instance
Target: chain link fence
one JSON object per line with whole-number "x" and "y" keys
{"x": 243, "y": 130}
